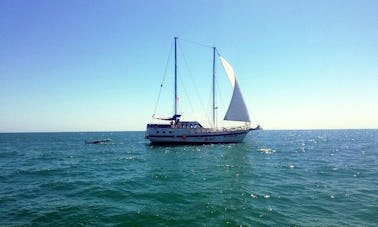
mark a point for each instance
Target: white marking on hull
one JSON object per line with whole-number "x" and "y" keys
{"x": 200, "y": 136}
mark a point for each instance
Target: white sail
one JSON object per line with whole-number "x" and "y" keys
{"x": 237, "y": 110}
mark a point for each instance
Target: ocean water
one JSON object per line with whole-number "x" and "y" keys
{"x": 274, "y": 178}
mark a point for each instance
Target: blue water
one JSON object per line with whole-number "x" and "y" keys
{"x": 274, "y": 178}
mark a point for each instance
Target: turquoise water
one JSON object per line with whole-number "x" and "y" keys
{"x": 274, "y": 178}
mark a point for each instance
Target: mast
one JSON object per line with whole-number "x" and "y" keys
{"x": 175, "y": 76}
{"x": 214, "y": 107}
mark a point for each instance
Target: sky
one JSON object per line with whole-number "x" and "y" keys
{"x": 94, "y": 65}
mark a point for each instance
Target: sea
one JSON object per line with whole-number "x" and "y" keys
{"x": 273, "y": 178}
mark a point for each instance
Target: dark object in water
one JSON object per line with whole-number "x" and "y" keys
{"x": 97, "y": 141}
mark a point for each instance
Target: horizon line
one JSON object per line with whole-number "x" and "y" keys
{"x": 105, "y": 131}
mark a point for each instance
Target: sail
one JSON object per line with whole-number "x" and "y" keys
{"x": 237, "y": 110}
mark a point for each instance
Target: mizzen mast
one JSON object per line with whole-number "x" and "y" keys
{"x": 214, "y": 106}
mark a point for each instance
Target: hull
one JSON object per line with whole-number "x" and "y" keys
{"x": 195, "y": 136}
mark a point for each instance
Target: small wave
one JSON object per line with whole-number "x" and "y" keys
{"x": 266, "y": 150}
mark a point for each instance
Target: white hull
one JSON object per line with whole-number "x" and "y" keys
{"x": 195, "y": 136}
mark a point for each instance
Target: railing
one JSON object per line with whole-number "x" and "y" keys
{"x": 200, "y": 129}
{"x": 208, "y": 130}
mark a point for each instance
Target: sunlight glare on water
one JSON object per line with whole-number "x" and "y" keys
{"x": 301, "y": 178}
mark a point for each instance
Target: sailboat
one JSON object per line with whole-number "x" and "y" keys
{"x": 192, "y": 132}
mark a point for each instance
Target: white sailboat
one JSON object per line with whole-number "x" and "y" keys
{"x": 192, "y": 132}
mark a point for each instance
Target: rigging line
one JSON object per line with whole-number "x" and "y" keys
{"x": 196, "y": 43}
{"x": 166, "y": 66}
{"x": 181, "y": 78}
{"x": 221, "y": 103}
{"x": 193, "y": 81}
{"x": 219, "y": 55}
{"x": 254, "y": 117}
{"x": 163, "y": 79}
{"x": 210, "y": 101}
{"x": 209, "y": 104}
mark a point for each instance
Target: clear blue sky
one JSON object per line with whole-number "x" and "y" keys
{"x": 97, "y": 65}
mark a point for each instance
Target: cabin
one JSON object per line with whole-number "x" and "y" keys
{"x": 180, "y": 124}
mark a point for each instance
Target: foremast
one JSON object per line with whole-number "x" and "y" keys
{"x": 175, "y": 85}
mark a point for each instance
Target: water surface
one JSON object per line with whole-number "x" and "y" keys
{"x": 281, "y": 178}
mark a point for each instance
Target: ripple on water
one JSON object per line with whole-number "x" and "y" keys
{"x": 274, "y": 178}
{"x": 266, "y": 150}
